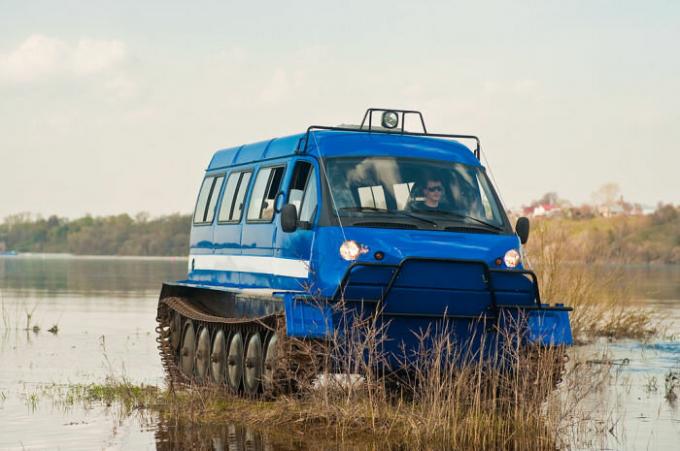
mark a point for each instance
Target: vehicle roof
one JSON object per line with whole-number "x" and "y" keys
{"x": 335, "y": 143}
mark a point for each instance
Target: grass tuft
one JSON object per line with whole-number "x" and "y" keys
{"x": 672, "y": 386}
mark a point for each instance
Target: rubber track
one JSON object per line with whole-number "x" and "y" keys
{"x": 169, "y": 357}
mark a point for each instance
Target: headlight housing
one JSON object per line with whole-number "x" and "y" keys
{"x": 351, "y": 250}
{"x": 390, "y": 119}
{"x": 512, "y": 258}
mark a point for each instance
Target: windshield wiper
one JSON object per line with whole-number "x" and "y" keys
{"x": 359, "y": 208}
{"x": 411, "y": 215}
{"x": 479, "y": 221}
{"x": 384, "y": 210}
{"x": 462, "y": 216}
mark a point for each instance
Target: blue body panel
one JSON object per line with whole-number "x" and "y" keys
{"x": 427, "y": 277}
{"x": 550, "y": 328}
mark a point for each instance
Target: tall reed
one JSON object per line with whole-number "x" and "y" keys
{"x": 451, "y": 394}
{"x": 600, "y": 295}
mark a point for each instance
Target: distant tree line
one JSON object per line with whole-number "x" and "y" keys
{"x": 106, "y": 235}
{"x": 653, "y": 238}
{"x": 642, "y": 239}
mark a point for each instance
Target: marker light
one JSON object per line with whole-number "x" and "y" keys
{"x": 512, "y": 258}
{"x": 351, "y": 250}
{"x": 390, "y": 119}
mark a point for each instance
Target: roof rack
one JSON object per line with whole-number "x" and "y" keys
{"x": 390, "y": 128}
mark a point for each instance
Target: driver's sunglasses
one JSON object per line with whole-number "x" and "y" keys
{"x": 434, "y": 188}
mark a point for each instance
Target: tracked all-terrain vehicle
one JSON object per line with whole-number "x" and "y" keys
{"x": 402, "y": 226}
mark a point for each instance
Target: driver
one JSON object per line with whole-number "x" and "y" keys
{"x": 433, "y": 191}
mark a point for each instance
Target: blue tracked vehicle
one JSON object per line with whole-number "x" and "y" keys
{"x": 404, "y": 226}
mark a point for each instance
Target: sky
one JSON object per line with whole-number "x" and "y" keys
{"x": 113, "y": 107}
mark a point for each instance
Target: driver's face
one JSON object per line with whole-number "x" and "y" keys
{"x": 433, "y": 191}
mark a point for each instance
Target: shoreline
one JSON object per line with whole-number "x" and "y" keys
{"x": 64, "y": 256}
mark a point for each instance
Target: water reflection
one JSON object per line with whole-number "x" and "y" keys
{"x": 180, "y": 436}
{"x": 232, "y": 437}
{"x": 171, "y": 436}
{"x": 90, "y": 276}
{"x": 660, "y": 282}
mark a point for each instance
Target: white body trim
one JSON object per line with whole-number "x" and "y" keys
{"x": 250, "y": 263}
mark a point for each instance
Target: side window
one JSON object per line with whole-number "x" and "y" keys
{"x": 234, "y": 193}
{"x": 310, "y": 200}
{"x": 199, "y": 214}
{"x": 298, "y": 183}
{"x": 303, "y": 190}
{"x": 241, "y": 196}
{"x": 207, "y": 200}
{"x": 262, "y": 199}
{"x": 212, "y": 203}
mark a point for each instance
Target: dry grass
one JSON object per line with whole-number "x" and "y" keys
{"x": 449, "y": 399}
{"x": 600, "y": 295}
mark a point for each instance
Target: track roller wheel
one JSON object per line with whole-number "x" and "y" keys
{"x": 235, "y": 361}
{"x": 268, "y": 371}
{"x": 218, "y": 358}
{"x": 175, "y": 330}
{"x": 187, "y": 353}
{"x": 202, "y": 355}
{"x": 252, "y": 373}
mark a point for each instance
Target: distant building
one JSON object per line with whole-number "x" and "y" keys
{"x": 647, "y": 210}
{"x": 546, "y": 210}
{"x": 610, "y": 210}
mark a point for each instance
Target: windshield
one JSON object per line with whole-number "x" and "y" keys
{"x": 415, "y": 191}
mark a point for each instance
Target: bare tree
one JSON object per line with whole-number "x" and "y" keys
{"x": 607, "y": 195}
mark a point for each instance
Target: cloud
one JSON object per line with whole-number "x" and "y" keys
{"x": 35, "y": 58}
{"x": 91, "y": 56}
{"x": 41, "y": 58}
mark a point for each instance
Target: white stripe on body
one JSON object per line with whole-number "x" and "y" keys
{"x": 251, "y": 263}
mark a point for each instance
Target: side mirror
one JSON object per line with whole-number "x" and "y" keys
{"x": 522, "y": 229}
{"x": 289, "y": 222}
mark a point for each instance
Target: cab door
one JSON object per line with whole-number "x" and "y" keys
{"x": 227, "y": 235}
{"x": 258, "y": 263}
{"x": 294, "y": 249}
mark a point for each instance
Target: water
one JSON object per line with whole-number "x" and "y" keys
{"x": 105, "y": 312}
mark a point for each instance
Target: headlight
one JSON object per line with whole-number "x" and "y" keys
{"x": 351, "y": 250}
{"x": 512, "y": 258}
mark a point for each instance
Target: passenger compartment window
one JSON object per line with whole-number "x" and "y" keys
{"x": 402, "y": 194}
{"x": 303, "y": 191}
{"x": 234, "y": 194}
{"x": 372, "y": 197}
{"x": 262, "y": 199}
{"x": 207, "y": 200}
